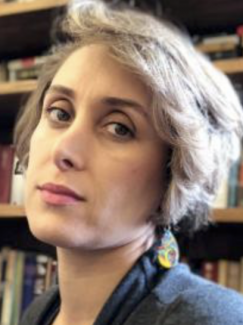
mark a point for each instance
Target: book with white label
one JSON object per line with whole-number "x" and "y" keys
{"x": 17, "y": 186}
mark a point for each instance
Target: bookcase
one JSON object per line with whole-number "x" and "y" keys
{"x": 25, "y": 31}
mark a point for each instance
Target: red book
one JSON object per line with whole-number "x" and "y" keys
{"x": 6, "y": 166}
{"x": 240, "y": 183}
{"x": 210, "y": 270}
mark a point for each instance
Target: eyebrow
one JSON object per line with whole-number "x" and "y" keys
{"x": 109, "y": 100}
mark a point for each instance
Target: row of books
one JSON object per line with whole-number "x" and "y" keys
{"x": 216, "y": 47}
{"x": 221, "y": 46}
{"x": 231, "y": 190}
{"x": 12, "y": 181}
{"x": 8, "y": 1}
{"x": 26, "y": 275}
{"x": 227, "y": 273}
{"x": 23, "y": 276}
{"x": 21, "y": 69}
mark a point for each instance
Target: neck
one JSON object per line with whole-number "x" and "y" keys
{"x": 87, "y": 278}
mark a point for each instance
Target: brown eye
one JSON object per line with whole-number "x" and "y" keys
{"x": 120, "y": 130}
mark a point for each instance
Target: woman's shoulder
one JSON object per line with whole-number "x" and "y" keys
{"x": 41, "y": 307}
{"x": 190, "y": 299}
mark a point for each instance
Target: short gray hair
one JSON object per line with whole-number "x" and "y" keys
{"x": 194, "y": 106}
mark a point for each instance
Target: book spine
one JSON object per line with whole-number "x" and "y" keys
{"x": 6, "y": 165}
{"x": 233, "y": 275}
{"x": 18, "y": 286}
{"x": 233, "y": 185}
{"x": 29, "y": 280}
{"x": 17, "y": 185}
{"x": 41, "y": 273}
{"x": 9, "y": 289}
{"x": 210, "y": 270}
{"x": 240, "y": 183}
{"x": 221, "y": 200}
{"x": 4, "y": 258}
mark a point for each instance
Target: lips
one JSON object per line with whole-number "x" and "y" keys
{"x": 59, "y": 194}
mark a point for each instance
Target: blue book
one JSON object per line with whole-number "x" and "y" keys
{"x": 233, "y": 185}
{"x": 28, "y": 281}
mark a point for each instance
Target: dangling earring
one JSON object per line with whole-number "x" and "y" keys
{"x": 167, "y": 250}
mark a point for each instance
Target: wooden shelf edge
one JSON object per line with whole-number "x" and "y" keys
{"x": 229, "y": 215}
{"x": 17, "y": 87}
{"x": 7, "y": 9}
{"x": 11, "y": 211}
{"x": 230, "y": 66}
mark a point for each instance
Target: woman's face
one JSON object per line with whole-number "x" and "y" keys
{"x": 96, "y": 165}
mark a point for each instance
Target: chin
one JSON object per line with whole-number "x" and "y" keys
{"x": 61, "y": 238}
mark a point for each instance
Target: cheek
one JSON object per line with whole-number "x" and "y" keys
{"x": 134, "y": 177}
{"x": 39, "y": 146}
{"x": 37, "y": 153}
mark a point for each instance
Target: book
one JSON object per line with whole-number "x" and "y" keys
{"x": 233, "y": 185}
{"x": 233, "y": 275}
{"x": 18, "y": 288}
{"x": 3, "y": 266}
{"x": 222, "y": 272}
{"x": 51, "y": 273}
{"x": 220, "y": 46}
{"x": 240, "y": 183}
{"x": 6, "y": 166}
{"x": 221, "y": 39}
{"x": 25, "y": 68}
{"x": 221, "y": 199}
{"x": 210, "y": 270}
{"x": 41, "y": 273}
{"x": 29, "y": 280}
{"x": 8, "y": 295}
{"x": 17, "y": 183}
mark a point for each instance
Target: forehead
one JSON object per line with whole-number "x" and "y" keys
{"x": 93, "y": 70}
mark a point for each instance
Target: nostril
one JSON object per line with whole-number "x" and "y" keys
{"x": 66, "y": 163}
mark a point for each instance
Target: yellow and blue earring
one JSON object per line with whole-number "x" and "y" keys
{"x": 168, "y": 250}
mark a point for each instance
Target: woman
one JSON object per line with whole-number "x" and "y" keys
{"x": 129, "y": 131}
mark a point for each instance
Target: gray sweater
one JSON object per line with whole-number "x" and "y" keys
{"x": 149, "y": 295}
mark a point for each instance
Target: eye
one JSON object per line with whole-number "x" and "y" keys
{"x": 57, "y": 114}
{"x": 120, "y": 130}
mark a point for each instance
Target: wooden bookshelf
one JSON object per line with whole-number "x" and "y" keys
{"x": 230, "y": 66}
{"x": 229, "y": 215}
{"x": 17, "y": 87}
{"x": 11, "y": 211}
{"x": 7, "y": 9}
{"x": 26, "y": 86}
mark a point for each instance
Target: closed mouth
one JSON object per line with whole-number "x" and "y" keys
{"x": 60, "y": 190}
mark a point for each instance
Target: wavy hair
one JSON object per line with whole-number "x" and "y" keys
{"x": 194, "y": 106}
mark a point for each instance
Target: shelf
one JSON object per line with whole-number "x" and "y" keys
{"x": 229, "y": 215}
{"x": 230, "y": 66}
{"x": 11, "y": 211}
{"x": 17, "y": 87}
{"x": 26, "y": 86}
{"x": 7, "y": 9}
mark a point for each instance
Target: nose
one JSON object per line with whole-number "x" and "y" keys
{"x": 71, "y": 147}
